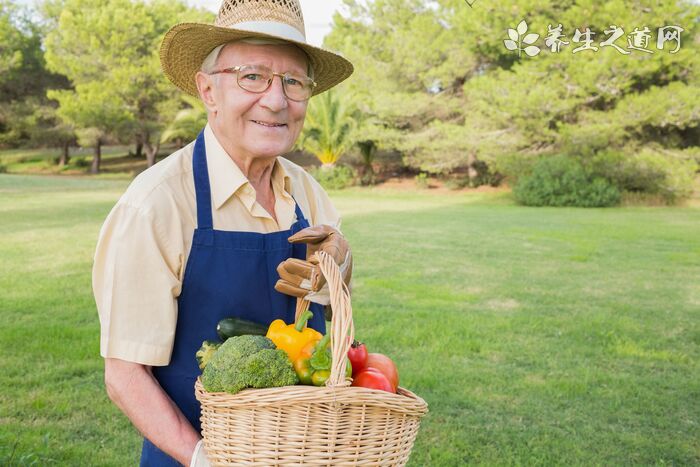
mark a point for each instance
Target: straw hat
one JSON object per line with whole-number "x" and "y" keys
{"x": 186, "y": 45}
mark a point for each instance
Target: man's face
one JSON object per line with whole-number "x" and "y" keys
{"x": 247, "y": 124}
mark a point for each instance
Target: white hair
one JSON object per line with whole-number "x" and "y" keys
{"x": 209, "y": 63}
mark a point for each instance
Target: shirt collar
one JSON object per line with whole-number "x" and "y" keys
{"x": 226, "y": 177}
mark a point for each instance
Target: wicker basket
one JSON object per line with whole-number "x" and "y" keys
{"x": 305, "y": 425}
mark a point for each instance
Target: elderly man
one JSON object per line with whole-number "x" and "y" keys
{"x": 203, "y": 234}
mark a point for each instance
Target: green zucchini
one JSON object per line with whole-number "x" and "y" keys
{"x": 229, "y": 327}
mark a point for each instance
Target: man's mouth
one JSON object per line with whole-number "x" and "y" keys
{"x": 269, "y": 124}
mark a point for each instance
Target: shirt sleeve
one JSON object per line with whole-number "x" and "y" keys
{"x": 136, "y": 281}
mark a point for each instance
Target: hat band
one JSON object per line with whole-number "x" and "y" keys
{"x": 272, "y": 28}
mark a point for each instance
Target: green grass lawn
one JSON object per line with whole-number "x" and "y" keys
{"x": 116, "y": 162}
{"x": 537, "y": 336}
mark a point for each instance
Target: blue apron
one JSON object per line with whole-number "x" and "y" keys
{"x": 227, "y": 274}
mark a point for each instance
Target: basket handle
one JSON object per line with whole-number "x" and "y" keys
{"x": 342, "y": 328}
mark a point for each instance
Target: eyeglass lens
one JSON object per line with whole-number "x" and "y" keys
{"x": 258, "y": 78}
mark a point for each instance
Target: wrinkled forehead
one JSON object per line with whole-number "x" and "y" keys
{"x": 282, "y": 57}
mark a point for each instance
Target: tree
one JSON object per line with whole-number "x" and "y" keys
{"x": 448, "y": 94}
{"x": 188, "y": 122}
{"x": 23, "y": 78}
{"x": 46, "y": 128}
{"x": 327, "y": 129}
{"x": 109, "y": 51}
{"x": 95, "y": 112}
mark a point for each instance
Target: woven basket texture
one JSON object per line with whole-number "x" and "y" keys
{"x": 338, "y": 425}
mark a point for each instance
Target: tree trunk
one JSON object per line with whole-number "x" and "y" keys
{"x": 151, "y": 153}
{"x": 65, "y": 157}
{"x": 139, "y": 148}
{"x": 97, "y": 158}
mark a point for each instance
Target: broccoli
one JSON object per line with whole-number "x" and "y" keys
{"x": 248, "y": 362}
{"x": 205, "y": 352}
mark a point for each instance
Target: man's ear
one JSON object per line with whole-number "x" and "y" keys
{"x": 205, "y": 86}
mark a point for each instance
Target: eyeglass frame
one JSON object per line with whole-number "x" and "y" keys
{"x": 236, "y": 69}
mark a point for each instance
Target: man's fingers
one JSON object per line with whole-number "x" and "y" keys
{"x": 301, "y": 274}
{"x": 294, "y": 270}
{"x": 287, "y": 288}
{"x": 312, "y": 234}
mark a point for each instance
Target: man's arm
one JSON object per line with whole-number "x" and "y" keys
{"x": 132, "y": 387}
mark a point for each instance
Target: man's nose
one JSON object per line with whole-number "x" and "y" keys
{"x": 274, "y": 98}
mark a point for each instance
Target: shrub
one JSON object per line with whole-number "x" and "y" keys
{"x": 80, "y": 161}
{"x": 514, "y": 166}
{"x": 3, "y": 168}
{"x": 485, "y": 175}
{"x": 649, "y": 172}
{"x": 563, "y": 181}
{"x": 334, "y": 177}
{"x": 457, "y": 182}
{"x": 422, "y": 180}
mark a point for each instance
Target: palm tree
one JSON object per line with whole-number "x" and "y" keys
{"x": 187, "y": 123}
{"x": 327, "y": 130}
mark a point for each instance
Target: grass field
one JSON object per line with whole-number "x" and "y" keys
{"x": 537, "y": 336}
{"x": 117, "y": 162}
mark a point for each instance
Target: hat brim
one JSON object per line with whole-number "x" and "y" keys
{"x": 186, "y": 45}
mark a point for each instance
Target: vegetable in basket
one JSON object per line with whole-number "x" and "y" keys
{"x": 247, "y": 362}
{"x": 229, "y": 327}
{"x": 358, "y": 356}
{"x": 384, "y": 365}
{"x": 293, "y": 337}
{"x": 313, "y": 365}
{"x": 373, "y": 379}
{"x": 205, "y": 352}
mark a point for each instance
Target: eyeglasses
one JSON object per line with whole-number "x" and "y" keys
{"x": 258, "y": 78}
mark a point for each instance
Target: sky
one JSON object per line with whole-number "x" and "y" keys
{"x": 318, "y": 15}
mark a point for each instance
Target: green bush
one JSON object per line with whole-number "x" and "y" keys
{"x": 563, "y": 181}
{"x": 335, "y": 177}
{"x": 422, "y": 180}
{"x": 457, "y": 182}
{"x": 485, "y": 174}
{"x": 3, "y": 168}
{"x": 664, "y": 175}
{"x": 513, "y": 166}
{"x": 80, "y": 161}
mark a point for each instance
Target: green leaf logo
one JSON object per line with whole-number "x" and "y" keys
{"x": 518, "y": 37}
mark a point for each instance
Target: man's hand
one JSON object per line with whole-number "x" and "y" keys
{"x": 303, "y": 279}
{"x": 132, "y": 387}
{"x": 199, "y": 456}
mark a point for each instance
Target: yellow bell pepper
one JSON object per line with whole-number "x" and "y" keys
{"x": 292, "y": 337}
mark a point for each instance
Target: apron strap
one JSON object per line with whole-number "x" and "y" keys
{"x": 201, "y": 184}
{"x": 299, "y": 213}
{"x": 202, "y": 187}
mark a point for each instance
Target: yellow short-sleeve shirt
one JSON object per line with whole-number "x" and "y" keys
{"x": 145, "y": 241}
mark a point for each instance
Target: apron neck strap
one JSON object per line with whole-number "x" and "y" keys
{"x": 202, "y": 187}
{"x": 201, "y": 184}
{"x": 299, "y": 213}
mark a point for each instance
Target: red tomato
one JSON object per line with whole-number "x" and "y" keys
{"x": 386, "y": 366}
{"x": 373, "y": 379}
{"x": 358, "y": 356}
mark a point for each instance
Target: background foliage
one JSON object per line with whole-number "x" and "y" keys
{"x": 435, "y": 88}
{"x": 435, "y": 82}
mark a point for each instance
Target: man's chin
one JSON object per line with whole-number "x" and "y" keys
{"x": 270, "y": 152}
